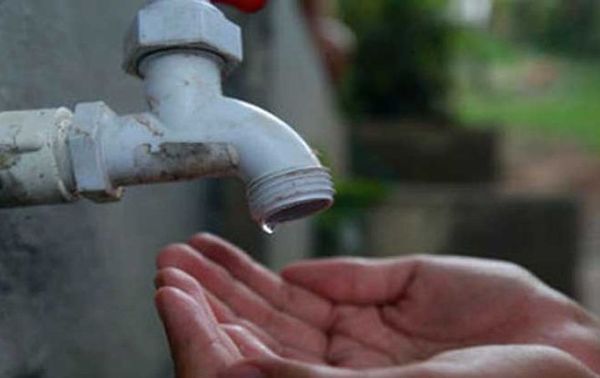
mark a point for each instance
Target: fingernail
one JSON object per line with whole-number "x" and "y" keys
{"x": 244, "y": 371}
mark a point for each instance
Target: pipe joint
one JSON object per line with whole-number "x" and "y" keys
{"x": 87, "y": 152}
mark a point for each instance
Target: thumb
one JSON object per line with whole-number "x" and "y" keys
{"x": 280, "y": 368}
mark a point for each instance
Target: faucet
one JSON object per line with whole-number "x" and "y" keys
{"x": 181, "y": 49}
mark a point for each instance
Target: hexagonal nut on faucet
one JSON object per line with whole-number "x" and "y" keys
{"x": 87, "y": 156}
{"x": 164, "y": 25}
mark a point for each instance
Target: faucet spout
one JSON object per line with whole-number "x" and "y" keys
{"x": 285, "y": 180}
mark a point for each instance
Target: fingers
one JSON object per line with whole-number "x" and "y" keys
{"x": 285, "y": 351}
{"x": 180, "y": 280}
{"x": 249, "y": 345}
{"x": 244, "y": 303}
{"x": 196, "y": 343}
{"x": 354, "y": 281}
{"x": 226, "y": 316}
{"x": 242, "y": 333}
{"x": 282, "y": 296}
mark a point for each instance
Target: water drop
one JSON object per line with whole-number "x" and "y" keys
{"x": 269, "y": 228}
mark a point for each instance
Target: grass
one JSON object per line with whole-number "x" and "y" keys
{"x": 568, "y": 105}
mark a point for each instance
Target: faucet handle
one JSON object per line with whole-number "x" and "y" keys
{"x": 249, "y": 6}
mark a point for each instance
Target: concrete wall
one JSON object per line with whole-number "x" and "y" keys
{"x": 76, "y": 281}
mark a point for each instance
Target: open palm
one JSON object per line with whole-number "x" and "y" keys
{"x": 363, "y": 314}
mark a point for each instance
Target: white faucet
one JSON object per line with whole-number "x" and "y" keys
{"x": 181, "y": 49}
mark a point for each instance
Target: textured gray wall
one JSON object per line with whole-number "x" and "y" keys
{"x": 76, "y": 281}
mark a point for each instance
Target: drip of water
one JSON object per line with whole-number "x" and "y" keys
{"x": 269, "y": 228}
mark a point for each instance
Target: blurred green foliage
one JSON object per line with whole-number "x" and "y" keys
{"x": 568, "y": 108}
{"x": 358, "y": 193}
{"x": 564, "y": 26}
{"x": 539, "y": 60}
{"x": 353, "y": 199}
{"x": 483, "y": 47}
{"x": 402, "y": 63}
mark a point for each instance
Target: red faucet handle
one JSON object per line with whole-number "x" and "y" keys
{"x": 249, "y": 6}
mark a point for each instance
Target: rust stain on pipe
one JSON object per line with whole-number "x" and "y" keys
{"x": 7, "y": 161}
{"x": 181, "y": 162}
{"x": 145, "y": 122}
{"x": 12, "y": 192}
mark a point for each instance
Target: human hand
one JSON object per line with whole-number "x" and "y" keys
{"x": 430, "y": 313}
